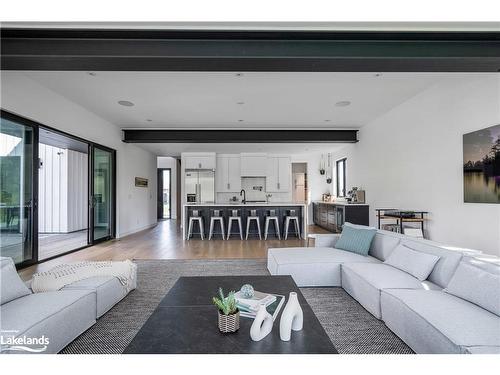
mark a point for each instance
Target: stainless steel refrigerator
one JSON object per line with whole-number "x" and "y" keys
{"x": 200, "y": 186}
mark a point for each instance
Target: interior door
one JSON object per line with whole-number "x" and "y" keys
{"x": 102, "y": 201}
{"x": 18, "y": 178}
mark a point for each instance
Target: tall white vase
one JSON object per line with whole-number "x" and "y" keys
{"x": 262, "y": 324}
{"x": 291, "y": 318}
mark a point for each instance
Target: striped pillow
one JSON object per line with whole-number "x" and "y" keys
{"x": 356, "y": 239}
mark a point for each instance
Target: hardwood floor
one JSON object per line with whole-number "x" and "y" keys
{"x": 165, "y": 241}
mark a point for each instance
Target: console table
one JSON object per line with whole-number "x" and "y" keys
{"x": 401, "y": 217}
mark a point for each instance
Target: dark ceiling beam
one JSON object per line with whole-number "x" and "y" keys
{"x": 238, "y": 136}
{"x": 294, "y": 51}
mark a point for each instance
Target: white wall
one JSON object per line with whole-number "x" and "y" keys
{"x": 411, "y": 158}
{"x": 168, "y": 162}
{"x": 136, "y": 207}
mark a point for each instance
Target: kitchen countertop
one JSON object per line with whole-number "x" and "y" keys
{"x": 270, "y": 204}
{"x": 342, "y": 203}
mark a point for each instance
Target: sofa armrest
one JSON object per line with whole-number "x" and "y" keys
{"x": 326, "y": 240}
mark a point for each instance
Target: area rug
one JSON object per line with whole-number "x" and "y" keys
{"x": 349, "y": 326}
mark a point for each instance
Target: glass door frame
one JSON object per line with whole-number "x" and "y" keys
{"x": 34, "y": 186}
{"x": 35, "y": 190}
{"x": 112, "y": 233}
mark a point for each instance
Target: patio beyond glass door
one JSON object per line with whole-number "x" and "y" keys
{"x": 102, "y": 199}
{"x": 17, "y": 200}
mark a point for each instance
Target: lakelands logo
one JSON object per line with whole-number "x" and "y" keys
{"x": 10, "y": 342}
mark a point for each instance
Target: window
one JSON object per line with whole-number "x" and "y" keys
{"x": 341, "y": 182}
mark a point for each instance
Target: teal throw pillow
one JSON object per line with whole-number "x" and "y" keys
{"x": 356, "y": 239}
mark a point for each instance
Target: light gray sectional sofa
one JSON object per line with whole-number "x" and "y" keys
{"x": 59, "y": 316}
{"x": 429, "y": 318}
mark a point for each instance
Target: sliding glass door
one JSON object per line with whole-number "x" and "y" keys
{"x": 17, "y": 191}
{"x": 87, "y": 177}
{"x": 102, "y": 194}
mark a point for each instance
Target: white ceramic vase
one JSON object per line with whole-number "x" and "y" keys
{"x": 292, "y": 317}
{"x": 262, "y": 324}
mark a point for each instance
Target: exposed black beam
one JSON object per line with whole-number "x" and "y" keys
{"x": 238, "y": 136}
{"x": 188, "y": 50}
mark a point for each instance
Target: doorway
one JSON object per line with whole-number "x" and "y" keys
{"x": 299, "y": 183}
{"x": 164, "y": 193}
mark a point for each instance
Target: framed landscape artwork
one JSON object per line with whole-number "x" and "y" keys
{"x": 482, "y": 166}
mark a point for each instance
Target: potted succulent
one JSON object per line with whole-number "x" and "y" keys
{"x": 229, "y": 315}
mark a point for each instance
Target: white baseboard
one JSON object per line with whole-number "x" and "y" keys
{"x": 125, "y": 234}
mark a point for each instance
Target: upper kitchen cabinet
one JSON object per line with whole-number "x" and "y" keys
{"x": 279, "y": 174}
{"x": 228, "y": 173}
{"x": 199, "y": 160}
{"x": 253, "y": 165}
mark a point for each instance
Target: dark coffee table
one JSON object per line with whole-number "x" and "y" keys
{"x": 185, "y": 321}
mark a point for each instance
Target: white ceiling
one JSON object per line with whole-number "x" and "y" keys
{"x": 210, "y": 100}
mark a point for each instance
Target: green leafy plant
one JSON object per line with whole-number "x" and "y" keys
{"x": 226, "y": 305}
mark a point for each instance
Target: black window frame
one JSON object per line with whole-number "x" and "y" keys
{"x": 343, "y": 161}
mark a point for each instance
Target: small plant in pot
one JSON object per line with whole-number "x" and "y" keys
{"x": 229, "y": 315}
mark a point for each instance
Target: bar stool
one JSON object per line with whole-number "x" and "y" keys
{"x": 216, "y": 217}
{"x": 234, "y": 216}
{"x": 292, "y": 216}
{"x": 195, "y": 217}
{"x": 253, "y": 216}
{"x": 271, "y": 216}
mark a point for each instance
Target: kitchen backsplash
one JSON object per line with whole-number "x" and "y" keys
{"x": 255, "y": 189}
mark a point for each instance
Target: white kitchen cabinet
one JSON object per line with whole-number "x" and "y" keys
{"x": 228, "y": 173}
{"x": 279, "y": 174}
{"x": 199, "y": 160}
{"x": 253, "y": 165}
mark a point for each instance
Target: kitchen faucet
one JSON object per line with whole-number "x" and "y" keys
{"x": 243, "y": 192}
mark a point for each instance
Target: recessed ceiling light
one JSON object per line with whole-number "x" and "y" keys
{"x": 148, "y": 120}
{"x": 241, "y": 120}
{"x": 126, "y": 103}
{"x": 343, "y": 103}
{"x": 240, "y": 103}
{"x": 327, "y": 120}
{"x": 377, "y": 75}
{"x": 239, "y": 74}
{"x": 93, "y": 74}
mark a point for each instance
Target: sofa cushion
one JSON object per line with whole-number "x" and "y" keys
{"x": 415, "y": 263}
{"x": 364, "y": 281}
{"x": 11, "y": 285}
{"x": 476, "y": 285}
{"x": 356, "y": 239}
{"x": 108, "y": 291}
{"x": 312, "y": 266}
{"x": 445, "y": 266}
{"x": 383, "y": 244}
{"x": 437, "y": 322}
{"x": 59, "y": 316}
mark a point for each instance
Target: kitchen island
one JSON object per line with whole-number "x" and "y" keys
{"x": 282, "y": 209}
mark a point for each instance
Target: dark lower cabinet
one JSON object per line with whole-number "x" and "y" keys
{"x": 332, "y": 217}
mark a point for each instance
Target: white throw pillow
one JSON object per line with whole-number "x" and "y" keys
{"x": 12, "y": 287}
{"x": 416, "y": 263}
{"x": 476, "y": 285}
